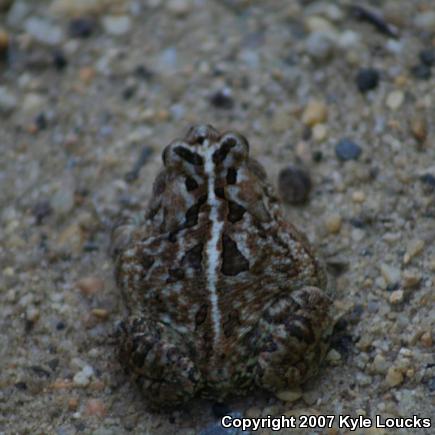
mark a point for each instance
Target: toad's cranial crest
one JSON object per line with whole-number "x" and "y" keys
{"x": 223, "y": 294}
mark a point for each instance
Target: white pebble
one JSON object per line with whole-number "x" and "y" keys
{"x": 116, "y": 25}
{"x": 43, "y": 31}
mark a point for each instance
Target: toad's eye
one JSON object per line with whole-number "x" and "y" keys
{"x": 233, "y": 150}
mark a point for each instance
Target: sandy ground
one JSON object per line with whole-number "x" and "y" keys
{"x": 87, "y": 88}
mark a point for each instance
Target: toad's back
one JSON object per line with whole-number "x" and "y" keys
{"x": 214, "y": 251}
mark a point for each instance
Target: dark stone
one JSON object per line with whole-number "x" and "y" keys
{"x": 294, "y": 185}
{"x": 60, "y": 326}
{"x": 427, "y": 56}
{"x": 143, "y": 72}
{"x": 317, "y": 156}
{"x": 421, "y": 71}
{"x": 346, "y": 149}
{"x": 429, "y": 181}
{"x": 367, "y": 79}
{"x": 53, "y": 364}
{"x": 128, "y": 92}
{"x": 370, "y": 16}
{"x": 21, "y": 386}
{"x": 343, "y": 344}
{"x": 40, "y": 372}
{"x": 90, "y": 246}
{"x": 222, "y": 99}
{"x": 392, "y": 287}
{"x": 41, "y": 121}
{"x": 431, "y": 384}
{"x": 41, "y": 210}
{"x": 81, "y": 27}
{"x": 60, "y": 62}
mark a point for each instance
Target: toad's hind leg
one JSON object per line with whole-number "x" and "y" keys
{"x": 160, "y": 360}
{"x": 293, "y": 338}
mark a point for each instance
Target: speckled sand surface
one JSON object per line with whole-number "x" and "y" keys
{"x": 81, "y": 101}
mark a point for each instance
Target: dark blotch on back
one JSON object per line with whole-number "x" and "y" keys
{"x": 201, "y": 315}
{"x": 232, "y": 176}
{"x": 193, "y": 257}
{"x": 230, "y": 323}
{"x": 233, "y": 262}
{"x": 220, "y": 192}
{"x": 175, "y": 275}
{"x": 191, "y": 184}
{"x": 189, "y": 156}
{"x": 220, "y": 154}
{"x": 192, "y": 213}
{"x": 235, "y": 212}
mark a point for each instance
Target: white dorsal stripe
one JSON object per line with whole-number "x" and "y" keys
{"x": 212, "y": 245}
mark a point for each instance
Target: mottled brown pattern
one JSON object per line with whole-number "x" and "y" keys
{"x": 223, "y": 294}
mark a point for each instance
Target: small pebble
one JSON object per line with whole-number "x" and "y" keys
{"x": 289, "y": 395}
{"x": 358, "y": 196}
{"x": 346, "y": 149}
{"x": 90, "y": 285}
{"x": 367, "y": 79}
{"x": 333, "y": 357}
{"x": 427, "y": 56}
{"x": 32, "y": 314}
{"x": 380, "y": 364}
{"x": 391, "y": 274}
{"x": 294, "y": 185}
{"x": 116, "y": 25}
{"x": 43, "y": 31}
{"x": 333, "y": 223}
{"x": 426, "y": 339}
{"x": 425, "y": 20}
{"x": 8, "y": 101}
{"x": 95, "y": 407}
{"x": 421, "y": 71}
{"x": 319, "y": 46}
{"x": 222, "y": 99}
{"x": 394, "y": 377}
{"x": 4, "y": 42}
{"x": 320, "y": 132}
{"x": 410, "y": 279}
{"x": 83, "y": 377}
{"x": 87, "y": 74}
{"x": 396, "y": 297}
{"x": 395, "y": 99}
{"x": 73, "y": 404}
{"x": 315, "y": 112}
{"x": 179, "y": 8}
{"x": 413, "y": 249}
{"x": 100, "y": 313}
{"x": 419, "y": 128}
